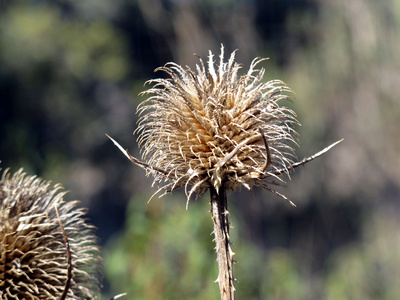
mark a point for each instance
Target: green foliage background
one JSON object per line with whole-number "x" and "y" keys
{"x": 70, "y": 71}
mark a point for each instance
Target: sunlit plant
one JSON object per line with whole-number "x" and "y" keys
{"x": 213, "y": 129}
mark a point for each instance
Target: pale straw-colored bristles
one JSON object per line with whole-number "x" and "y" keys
{"x": 215, "y": 130}
{"x": 199, "y": 129}
{"x": 204, "y": 127}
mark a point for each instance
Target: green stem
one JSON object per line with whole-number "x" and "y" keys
{"x": 219, "y": 212}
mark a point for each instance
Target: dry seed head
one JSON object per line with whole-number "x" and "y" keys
{"x": 211, "y": 126}
{"x": 33, "y": 257}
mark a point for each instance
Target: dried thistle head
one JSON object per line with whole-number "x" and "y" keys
{"x": 213, "y": 127}
{"x": 33, "y": 255}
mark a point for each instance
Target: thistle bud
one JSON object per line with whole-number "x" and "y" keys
{"x": 33, "y": 254}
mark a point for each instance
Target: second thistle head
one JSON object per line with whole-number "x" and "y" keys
{"x": 213, "y": 127}
{"x": 35, "y": 261}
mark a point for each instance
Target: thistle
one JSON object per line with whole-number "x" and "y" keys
{"x": 47, "y": 249}
{"x": 212, "y": 129}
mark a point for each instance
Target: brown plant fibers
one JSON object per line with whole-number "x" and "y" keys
{"x": 33, "y": 255}
{"x": 206, "y": 128}
{"x": 211, "y": 129}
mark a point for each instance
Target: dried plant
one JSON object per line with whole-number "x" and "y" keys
{"x": 44, "y": 254}
{"x": 215, "y": 130}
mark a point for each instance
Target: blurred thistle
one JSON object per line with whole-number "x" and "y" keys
{"x": 47, "y": 249}
{"x": 213, "y": 129}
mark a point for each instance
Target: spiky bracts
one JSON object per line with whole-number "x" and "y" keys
{"x": 212, "y": 126}
{"x": 213, "y": 129}
{"x": 33, "y": 254}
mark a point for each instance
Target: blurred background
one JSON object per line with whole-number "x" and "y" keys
{"x": 71, "y": 71}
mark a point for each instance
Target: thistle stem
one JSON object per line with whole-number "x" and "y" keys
{"x": 219, "y": 212}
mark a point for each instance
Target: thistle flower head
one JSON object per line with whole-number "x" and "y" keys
{"x": 33, "y": 255}
{"x": 214, "y": 127}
